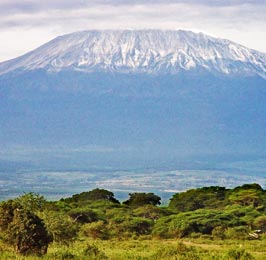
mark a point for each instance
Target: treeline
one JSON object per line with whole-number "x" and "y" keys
{"x": 30, "y": 223}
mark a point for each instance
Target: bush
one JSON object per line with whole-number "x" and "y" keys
{"x": 7, "y": 213}
{"x": 138, "y": 226}
{"x": 219, "y": 232}
{"x": 240, "y": 232}
{"x": 260, "y": 223}
{"x": 64, "y": 255}
{"x": 180, "y": 252}
{"x": 93, "y": 253}
{"x": 150, "y": 212}
{"x": 95, "y": 230}
{"x": 83, "y": 216}
{"x": 27, "y": 233}
{"x": 61, "y": 228}
{"x": 239, "y": 254}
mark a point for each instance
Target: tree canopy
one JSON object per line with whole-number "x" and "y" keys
{"x": 141, "y": 199}
{"x": 93, "y": 195}
{"x": 207, "y": 197}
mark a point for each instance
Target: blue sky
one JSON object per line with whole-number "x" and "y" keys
{"x": 24, "y": 25}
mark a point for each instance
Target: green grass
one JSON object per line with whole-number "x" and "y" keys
{"x": 149, "y": 249}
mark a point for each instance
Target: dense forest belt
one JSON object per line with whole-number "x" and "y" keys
{"x": 205, "y": 223}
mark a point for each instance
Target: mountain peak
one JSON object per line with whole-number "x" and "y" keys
{"x": 140, "y": 51}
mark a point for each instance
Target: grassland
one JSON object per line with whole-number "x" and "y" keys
{"x": 149, "y": 249}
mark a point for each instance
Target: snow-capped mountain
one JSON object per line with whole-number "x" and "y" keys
{"x": 140, "y": 97}
{"x": 143, "y": 51}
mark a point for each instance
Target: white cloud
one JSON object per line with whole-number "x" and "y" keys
{"x": 33, "y": 23}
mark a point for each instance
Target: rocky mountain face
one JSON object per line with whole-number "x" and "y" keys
{"x": 133, "y": 96}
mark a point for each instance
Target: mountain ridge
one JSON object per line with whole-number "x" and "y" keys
{"x": 140, "y": 51}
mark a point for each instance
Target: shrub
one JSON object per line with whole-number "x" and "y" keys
{"x": 260, "y": 223}
{"x": 239, "y": 254}
{"x": 95, "y": 230}
{"x": 150, "y": 212}
{"x": 139, "y": 226}
{"x": 240, "y": 232}
{"x": 61, "y": 228}
{"x": 83, "y": 216}
{"x": 64, "y": 255}
{"x": 27, "y": 233}
{"x": 93, "y": 253}
{"x": 7, "y": 213}
{"x": 219, "y": 232}
{"x": 180, "y": 251}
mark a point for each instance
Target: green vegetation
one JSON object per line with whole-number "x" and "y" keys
{"x": 141, "y": 199}
{"x": 22, "y": 228}
{"x": 206, "y": 223}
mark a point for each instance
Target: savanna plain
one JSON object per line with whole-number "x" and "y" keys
{"x": 204, "y": 223}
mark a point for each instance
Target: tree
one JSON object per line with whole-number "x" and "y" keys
{"x": 93, "y": 195}
{"x": 247, "y": 195}
{"x": 27, "y": 233}
{"x": 141, "y": 199}
{"x": 207, "y": 197}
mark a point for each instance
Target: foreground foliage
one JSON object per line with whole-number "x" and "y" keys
{"x": 206, "y": 223}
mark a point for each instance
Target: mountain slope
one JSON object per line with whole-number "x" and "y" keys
{"x": 132, "y": 97}
{"x": 147, "y": 51}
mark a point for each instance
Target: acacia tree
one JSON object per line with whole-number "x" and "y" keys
{"x": 207, "y": 197}
{"x": 247, "y": 195}
{"x": 93, "y": 195}
{"x": 141, "y": 199}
